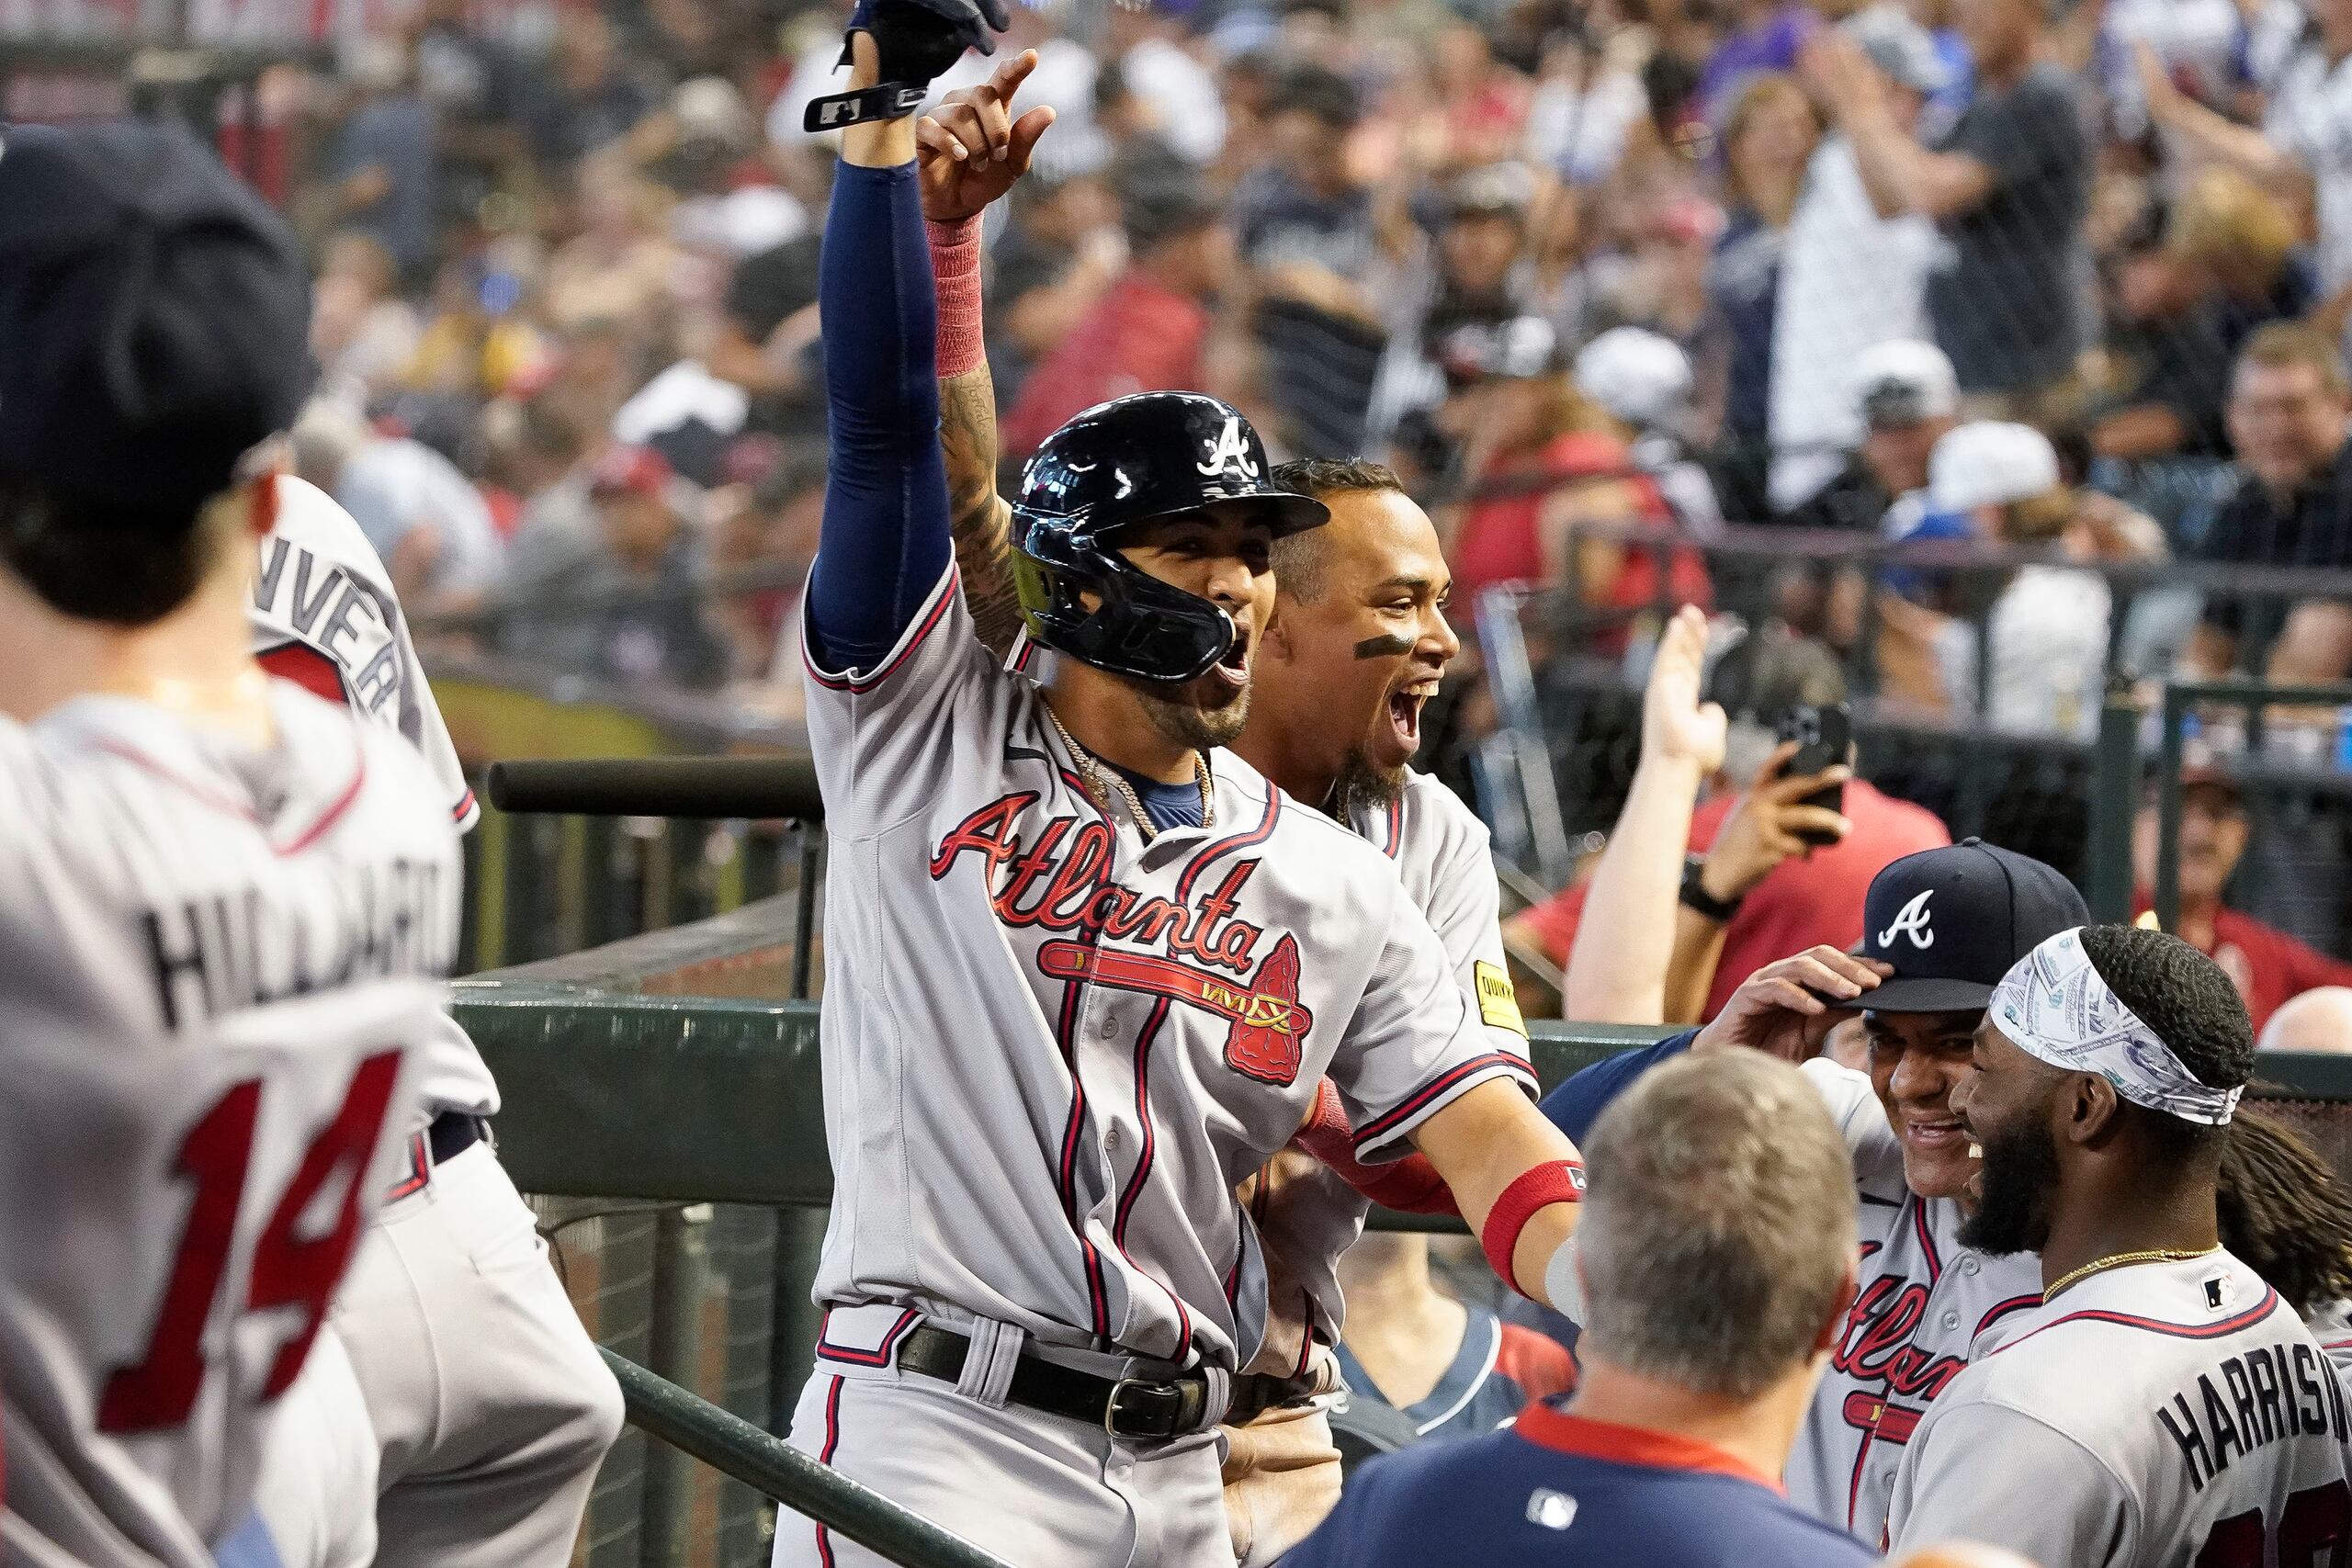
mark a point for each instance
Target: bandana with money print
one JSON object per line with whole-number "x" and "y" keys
{"x": 2055, "y": 1005}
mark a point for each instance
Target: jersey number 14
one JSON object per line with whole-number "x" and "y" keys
{"x": 159, "y": 1389}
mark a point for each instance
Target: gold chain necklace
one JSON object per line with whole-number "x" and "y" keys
{"x": 1090, "y": 772}
{"x": 2153, "y": 1255}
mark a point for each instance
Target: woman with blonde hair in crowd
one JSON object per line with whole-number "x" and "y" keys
{"x": 1768, "y": 142}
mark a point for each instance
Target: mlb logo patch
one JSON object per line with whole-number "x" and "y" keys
{"x": 2220, "y": 1290}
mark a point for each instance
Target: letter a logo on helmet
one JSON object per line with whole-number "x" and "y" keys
{"x": 1912, "y": 920}
{"x": 1229, "y": 453}
{"x": 1116, "y": 467}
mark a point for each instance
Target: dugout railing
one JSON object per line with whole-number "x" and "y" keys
{"x": 673, "y": 1140}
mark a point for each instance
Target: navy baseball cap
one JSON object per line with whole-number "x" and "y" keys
{"x": 154, "y": 316}
{"x": 1952, "y": 921}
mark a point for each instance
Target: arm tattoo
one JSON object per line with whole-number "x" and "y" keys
{"x": 978, "y": 518}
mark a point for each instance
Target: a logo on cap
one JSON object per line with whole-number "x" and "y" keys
{"x": 1912, "y": 919}
{"x": 1230, "y": 451}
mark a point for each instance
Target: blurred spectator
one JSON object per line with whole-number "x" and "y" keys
{"x": 1452, "y": 1368}
{"x": 1058, "y": 253}
{"x": 649, "y": 621}
{"x": 1589, "y": 104}
{"x": 2290, "y": 410}
{"x": 1824, "y": 322}
{"x": 428, "y": 524}
{"x": 1542, "y": 459}
{"x": 1905, "y": 398}
{"x": 1768, "y": 142}
{"x": 552, "y": 558}
{"x": 1468, "y": 272}
{"x": 2048, "y": 625}
{"x": 2317, "y": 1019}
{"x": 769, "y": 519}
{"x": 1306, "y": 233}
{"x": 2169, "y": 363}
{"x": 2241, "y": 245}
{"x": 383, "y": 167}
{"x": 362, "y": 333}
{"x": 1483, "y": 102}
{"x": 1148, "y": 331}
{"x": 587, "y": 101}
{"x": 1766, "y": 36}
{"x": 1643, "y": 382}
{"x": 2265, "y": 963}
{"x": 1176, "y": 91}
{"x": 766, "y": 341}
{"x": 2008, "y": 186}
{"x": 621, "y": 266}
{"x": 1785, "y": 895}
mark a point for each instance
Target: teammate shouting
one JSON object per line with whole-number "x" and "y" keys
{"x": 1100, "y": 964}
{"x": 2160, "y": 1404}
{"x": 220, "y": 899}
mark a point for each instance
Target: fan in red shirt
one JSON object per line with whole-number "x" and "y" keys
{"x": 1522, "y": 423}
{"x": 1146, "y": 333}
{"x": 1756, "y": 889}
{"x": 2266, "y": 964}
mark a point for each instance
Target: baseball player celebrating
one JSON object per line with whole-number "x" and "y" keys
{"x": 2160, "y": 1404}
{"x": 491, "y": 1406}
{"x": 1098, "y": 964}
{"x": 226, "y": 902}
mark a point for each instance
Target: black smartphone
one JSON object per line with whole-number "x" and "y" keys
{"x": 1825, "y": 737}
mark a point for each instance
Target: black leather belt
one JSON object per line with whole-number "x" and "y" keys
{"x": 452, "y": 1133}
{"x": 1133, "y": 1410}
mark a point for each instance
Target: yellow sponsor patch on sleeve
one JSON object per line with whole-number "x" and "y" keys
{"x": 1497, "y": 1003}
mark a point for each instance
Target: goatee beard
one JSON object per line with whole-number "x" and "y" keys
{"x": 2020, "y": 1174}
{"x": 1202, "y": 729}
{"x": 1361, "y": 783}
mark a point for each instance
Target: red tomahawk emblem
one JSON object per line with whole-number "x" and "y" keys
{"x": 1263, "y": 1012}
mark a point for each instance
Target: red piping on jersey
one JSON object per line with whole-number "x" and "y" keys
{"x": 1307, "y": 1337}
{"x": 458, "y": 812}
{"x": 832, "y": 1440}
{"x": 864, "y": 683}
{"x": 1222, "y": 847}
{"x": 328, "y": 817}
{"x": 2002, "y": 1309}
{"x": 2222, "y": 1329}
{"x": 1144, "y": 1038}
{"x": 828, "y": 1351}
{"x": 1564, "y": 1432}
{"x": 1374, "y": 1129}
{"x": 420, "y": 1171}
{"x": 221, "y": 803}
{"x": 1927, "y": 1240}
{"x": 1066, "y": 1036}
{"x": 1395, "y": 827}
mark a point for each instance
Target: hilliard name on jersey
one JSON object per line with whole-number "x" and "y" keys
{"x": 229, "y": 951}
{"x": 2266, "y": 1396}
{"x": 334, "y": 612}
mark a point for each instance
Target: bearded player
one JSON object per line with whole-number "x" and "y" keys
{"x": 2162, "y": 1405}
{"x": 1357, "y": 645}
{"x": 221, "y": 901}
{"x": 1092, "y": 966}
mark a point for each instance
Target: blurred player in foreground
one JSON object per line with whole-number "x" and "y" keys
{"x": 221, "y": 901}
{"x": 491, "y": 1406}
{"x": 1717, "y": 1256}
{"x": 1104, "y": 971}
{"x": 2161, "y": 1403}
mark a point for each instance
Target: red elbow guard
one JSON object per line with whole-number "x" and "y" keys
{"x": 1410, "y": 1186}
{"x": 1536, "y": 1188}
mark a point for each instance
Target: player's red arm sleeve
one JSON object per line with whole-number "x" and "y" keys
{"x": 1410, "y": 1185}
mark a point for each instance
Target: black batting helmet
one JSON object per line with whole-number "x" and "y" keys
{"x": 1119, "y": 464}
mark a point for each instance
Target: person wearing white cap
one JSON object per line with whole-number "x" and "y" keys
{"x": 1850, "y": 279}
{"x": 1643, "y": 381}
{"x": 2162, "y": 1405}
{"x": 2001, "y": 483}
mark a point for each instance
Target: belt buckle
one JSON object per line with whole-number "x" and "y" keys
{"x": 1172, "y": 1400}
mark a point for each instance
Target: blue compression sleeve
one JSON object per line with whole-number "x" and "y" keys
{"x": 1577, "y": 1104}
{"x": 884, "y": 537}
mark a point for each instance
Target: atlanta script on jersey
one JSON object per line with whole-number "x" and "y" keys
{"x": 2160, "y": 1413}
{"x": 1056, "y": 1049}
{"x": 212, "y": 959}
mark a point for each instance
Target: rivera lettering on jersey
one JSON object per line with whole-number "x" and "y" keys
{"x": 1106, "y": 1033}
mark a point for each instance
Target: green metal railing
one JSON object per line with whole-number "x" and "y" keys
{"x": 2253, "y": 698}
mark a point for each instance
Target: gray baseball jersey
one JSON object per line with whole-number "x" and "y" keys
{"x": 215, "y": 957}
{"x": 1924, "y": 1300}
{"x": 2158, "y": 1416}
{"x": 1309, "y": 1216}
{"x": 1053, "y": 1049}
{"x": 324, "y": 616}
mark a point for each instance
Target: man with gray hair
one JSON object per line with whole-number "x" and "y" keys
{"x": 1716, "y": 1259}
